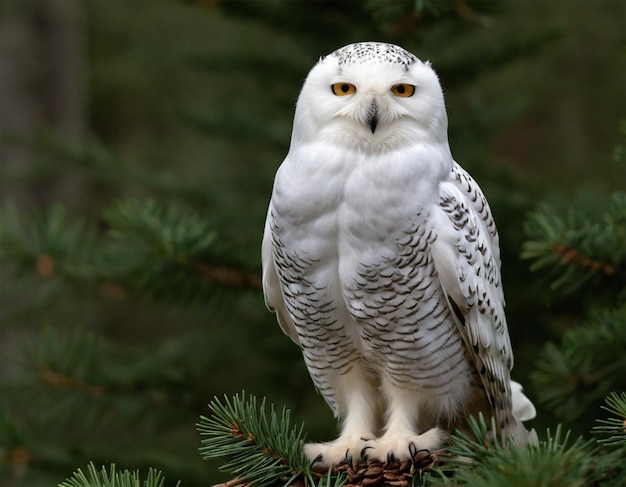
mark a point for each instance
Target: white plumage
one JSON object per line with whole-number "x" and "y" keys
{"x": 381, "y": 260}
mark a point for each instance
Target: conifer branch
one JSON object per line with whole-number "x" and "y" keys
{"x": 50, "y": 246}
{"x": 62, "y": 381}
{"x": 112, "y": 478}
{"x": 153, "y": 249}
{"x": 569, "y": 255}
{"x": 583, "y": 367}
{"x": 83, "y": 368}
{"x": 614, "y": 429}
{"x": 265, "y": 451}
{"x": 578, "y": 247}
{"x": 554, "y": 462}
{"x": 227, "y": 276}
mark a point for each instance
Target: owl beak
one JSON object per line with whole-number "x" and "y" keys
{"x": 372, "y": 117}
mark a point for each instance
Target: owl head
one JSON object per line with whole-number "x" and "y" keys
{"x": 371, "y": 96}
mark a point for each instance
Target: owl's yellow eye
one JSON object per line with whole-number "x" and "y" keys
{"x": 403, "y": 89}
{"x": 343, "y": 89}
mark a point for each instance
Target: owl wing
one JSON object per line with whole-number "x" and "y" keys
{"x": 467, "y": 258}
{"x": 271, "y": 285}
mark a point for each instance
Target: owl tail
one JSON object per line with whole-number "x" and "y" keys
{"x": 523, "y": 409}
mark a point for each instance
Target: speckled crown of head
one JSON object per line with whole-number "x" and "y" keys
{"x": 373, "y": 52}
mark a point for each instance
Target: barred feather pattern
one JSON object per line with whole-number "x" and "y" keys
{"x": 321, "y": 334}
{"x": 392, "y": 319}
{"x": 404, "y": 321}
{"x": 480, "y": 311}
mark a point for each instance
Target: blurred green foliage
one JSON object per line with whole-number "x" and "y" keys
{"x": 130, "y": 297}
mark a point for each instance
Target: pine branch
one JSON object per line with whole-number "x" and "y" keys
{"x": 614, "y": 429}
{"x": 585, "y": 367}
{"x": 50, "y": 245}
{"x": 481, "y": 461}
{"x": 168, "y": 252}
{"x": 611, "y": 449}
{"x": 228, "y": 276}
{"x": 153, "y": 249}
{"x": 111, "y": 478}
{"x": 578, "y": 247}
{"x": 71, "y": 371}
{"x": 98, "y": 400}
{"x": 259, "y": 450}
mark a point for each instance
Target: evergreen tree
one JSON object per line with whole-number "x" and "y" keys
{"x": 130, "y": 304}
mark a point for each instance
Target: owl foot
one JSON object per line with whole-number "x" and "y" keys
{"x": 342, "y": 450}
{"x": 402, "y": 447}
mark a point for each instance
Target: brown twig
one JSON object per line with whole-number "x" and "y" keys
{"x": 570, "y": 255}
{"x": 227, "y": 276}
{"x": 61, "y": 381}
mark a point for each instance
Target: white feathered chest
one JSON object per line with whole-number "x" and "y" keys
{"x": 360, "y": 243}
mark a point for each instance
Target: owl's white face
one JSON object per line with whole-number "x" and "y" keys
{"x": 371, "y": 97}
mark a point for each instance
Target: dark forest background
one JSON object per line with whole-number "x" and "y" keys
{"x": 139, "y": 140}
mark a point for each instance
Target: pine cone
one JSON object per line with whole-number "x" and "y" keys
{"x": 373, "y": 473}
{"x": 394, "y": 473}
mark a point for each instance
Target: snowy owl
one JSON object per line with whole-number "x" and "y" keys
{"x": 381, "y": 261}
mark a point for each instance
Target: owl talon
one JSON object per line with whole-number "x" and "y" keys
{"x": 364, "y": 452}
{"x": 392, "y": 448}
{"x": 348, "y": 459}
{"x": 390, "y": 458}
{"x": 412, "y": 450}
{"x": 342, "y": 451}
{"x": 317, "y": 459}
